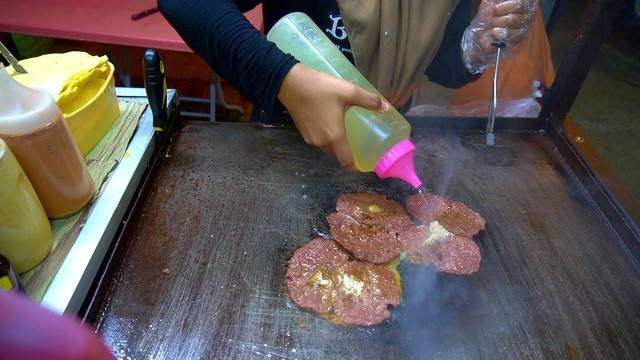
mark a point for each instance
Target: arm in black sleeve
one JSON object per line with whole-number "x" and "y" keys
{"x": 218, "y": 31}
{"x": 447, "y": 68}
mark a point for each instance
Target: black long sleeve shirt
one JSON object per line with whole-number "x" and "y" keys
{"x": 218, "y": 31}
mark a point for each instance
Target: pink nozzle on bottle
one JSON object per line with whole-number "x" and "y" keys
{"x": 398, "y": 163}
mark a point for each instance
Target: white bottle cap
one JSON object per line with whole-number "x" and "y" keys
{"x": 23, "y": 109}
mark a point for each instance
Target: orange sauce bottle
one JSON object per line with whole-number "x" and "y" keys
{"x": 32, "y": 125}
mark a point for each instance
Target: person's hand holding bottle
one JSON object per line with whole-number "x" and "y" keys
{"x": 318, "y": 101}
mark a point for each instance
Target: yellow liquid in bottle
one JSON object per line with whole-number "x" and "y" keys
{"x": 371, "y": 134}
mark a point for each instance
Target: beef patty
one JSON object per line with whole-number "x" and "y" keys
{"x": 454, "y": 216}
{"x": 373, "y": 209}
{"x": 310, "y": 273}
{"x": 365, "y": 293}
{"x": 432, "y": 244}
{"x": 322, "y": 279}
{"x": 367, "y": 225}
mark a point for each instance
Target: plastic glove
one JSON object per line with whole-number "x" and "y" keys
{"x": 318, "y": 101}
{"x": 506, "y": 20}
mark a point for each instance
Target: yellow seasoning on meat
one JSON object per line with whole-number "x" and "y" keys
{"x": 374, "y": 208}
{"x": 317, "y": 279}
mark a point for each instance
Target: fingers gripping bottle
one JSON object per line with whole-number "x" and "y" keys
{"x": 379, "y": 142}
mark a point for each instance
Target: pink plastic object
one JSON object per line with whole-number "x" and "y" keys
{"x": 28, "y": 331}
{"x": 398, "y": 163}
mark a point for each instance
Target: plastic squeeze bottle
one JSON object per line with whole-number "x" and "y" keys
{"x": 32, "y": 125}
{"x": 379, "y": 142}
{"x": 25, "y": 231}
{"x": 9, "y": 280}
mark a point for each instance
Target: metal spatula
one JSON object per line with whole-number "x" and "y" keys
{"x": 489, "y": 148}
{"x": 11, "y": 59}
{"x": 493, "y": 103}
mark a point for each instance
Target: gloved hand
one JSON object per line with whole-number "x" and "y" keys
{"x": 506, "y": 20}
{"x": 317, "y": 103}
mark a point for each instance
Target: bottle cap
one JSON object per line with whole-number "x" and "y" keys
{"x": 23, "y": 108}
{"x": 398, "y": 163}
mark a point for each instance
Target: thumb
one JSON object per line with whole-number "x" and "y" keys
{"x": 367, "y": 100}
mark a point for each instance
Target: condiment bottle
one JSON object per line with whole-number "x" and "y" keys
{"x": 379, "y": 142}
{"x": 32, "y": 125}
{"x": 25, "y": 231}
{"x": 8, "y": 278}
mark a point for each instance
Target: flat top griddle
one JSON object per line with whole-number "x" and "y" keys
{"x": 203, "y": 275}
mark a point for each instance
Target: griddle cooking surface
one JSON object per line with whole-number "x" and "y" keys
{"x": 232, "y": 203}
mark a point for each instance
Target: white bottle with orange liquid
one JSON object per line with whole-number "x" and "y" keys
{"x": 32, "y": 125}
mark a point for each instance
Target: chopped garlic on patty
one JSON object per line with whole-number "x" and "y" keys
{"x": 438, "y": 234}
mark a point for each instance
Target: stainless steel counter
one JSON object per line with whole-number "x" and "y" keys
{"x": 70, "y": 285}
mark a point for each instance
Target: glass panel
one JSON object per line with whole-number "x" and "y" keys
{"x": 607, "y": 108}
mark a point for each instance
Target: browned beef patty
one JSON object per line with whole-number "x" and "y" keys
{"x": 452, "y": 215}
{"x": 311, "y": 273}
{"x": 367, "y": 225}
{"x": 364, "y": 294}
{"x": 373, "y": 209}
{"x": 366, "y": 242}
{"x": 320, "y": 278}
{"x": 452, "y": 254}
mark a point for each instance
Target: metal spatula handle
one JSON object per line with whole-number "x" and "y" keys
{"x": 493, "y": 103}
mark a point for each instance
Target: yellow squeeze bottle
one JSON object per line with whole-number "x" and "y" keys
{"x": 25, "y": 231}
{"x": 379, "y": 142}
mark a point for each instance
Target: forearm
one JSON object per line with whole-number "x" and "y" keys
{"x": 218, "y": 31}
{"x": 447, "y": 68}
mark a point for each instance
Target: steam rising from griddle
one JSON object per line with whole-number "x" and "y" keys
{"x": 451, "y": 155}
